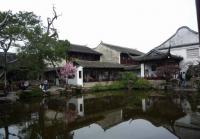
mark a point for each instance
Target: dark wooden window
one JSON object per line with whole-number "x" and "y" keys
{"x": 80, "y": 74}
{"x": 81, "y": 107}
{"x": 153, "y": 68}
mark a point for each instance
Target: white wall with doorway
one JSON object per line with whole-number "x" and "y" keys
{"x": 148, "y": 70}
{"x": 78, "y": 77}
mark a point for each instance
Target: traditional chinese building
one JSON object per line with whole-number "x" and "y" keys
{"x": 82, "y": 52}
{"x": 117, "y": 54}
{"x": 154, "y": 60}
{"x": 91, "y": 72}
{"x": 181, "y": 49}
{"x": 89, "y": 69}
{"x": 184, "y": 42}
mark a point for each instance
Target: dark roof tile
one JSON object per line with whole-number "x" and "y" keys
{"x": 82, "y": 49}
{"x": 123, "y": 49}
{"x": 98, "y": 64}
{"x": 155, "y": 55}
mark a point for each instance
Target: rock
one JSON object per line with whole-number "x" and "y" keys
{"x": 54, "y": 90}
{"x": 11, "y": 97}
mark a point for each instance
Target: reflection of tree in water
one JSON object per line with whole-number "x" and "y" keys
{"x": 71, "y": 113}
{"x": 49, "y": 128}
{"x": 161, "y": 112}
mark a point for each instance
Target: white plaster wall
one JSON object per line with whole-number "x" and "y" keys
{"x": 81, "y": 101}
{"x": 151, "y": 73}
{"x": 78, "y": 101}
{"x": 76, "y": 80}
{"x": 182, "y": 36}
{"x": 108, "y": 55}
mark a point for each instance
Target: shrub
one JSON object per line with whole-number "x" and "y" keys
{"x": 142, "y": 84}
{"x": 35, "y": 92}
{"x": 114, "y": 86}
{"x": 97, "y": 87}
{"x": 197, "y": 83}
{"x": 127, "y": 78}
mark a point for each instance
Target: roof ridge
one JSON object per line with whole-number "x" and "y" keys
{"x": 186, "y": 27}
{"x": 95, "y": 61}
{"x": 79, "y": 45}
{"x": 117, "y": 45}
{"x": 82, "y": 48}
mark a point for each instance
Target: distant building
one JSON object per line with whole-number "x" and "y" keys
{"x": 184, "y": 51}
{"x": 82, "y": 52}
{"x": 117, "y": 54}
{"x": 90, "y": 73}
{"x": 103, "y": 64}
{"x": 90, "y": 70}
{"x": 154, "y": 59}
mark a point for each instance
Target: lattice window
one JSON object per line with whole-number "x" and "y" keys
{"x": 192, "y": 53}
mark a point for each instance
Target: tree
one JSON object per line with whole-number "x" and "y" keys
{"x": 67, "y": 70}
{"x": 128, "y": 79}
{"x": 44, "y": 45}
{"x": 13, "y": 31}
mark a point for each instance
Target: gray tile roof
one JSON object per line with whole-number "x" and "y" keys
{"x": 132, "y": 67}
{"x": 82, "y": 49}
{"x": 123, "y": 49}
{"x": 98, "y": 64}
{"x": 156, "y": 55}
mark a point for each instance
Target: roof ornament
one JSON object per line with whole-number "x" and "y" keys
{"x": 169, "y": 50}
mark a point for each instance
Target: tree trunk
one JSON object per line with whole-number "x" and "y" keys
{"x": 54, "y": 66}
{"x": 5, "y": 72}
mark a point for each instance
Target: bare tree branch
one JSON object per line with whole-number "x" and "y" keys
{"x": 50, "y": 26}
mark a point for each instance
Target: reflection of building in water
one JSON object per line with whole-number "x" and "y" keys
{"x": 74, "y": 108}
{"x": 154, "y": 98}
{"x": 78, "y": 104}
{"x": 111, "y": 119}
{"x": 188, "y": 127}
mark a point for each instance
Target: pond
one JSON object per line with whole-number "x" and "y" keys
{"x": 103, "y": 116}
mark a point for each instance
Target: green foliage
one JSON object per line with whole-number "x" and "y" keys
{"x": 42, "y": 47}
{"x": 128, "y": 77}
{"x": 197, "y": 83}
{"x": 142, "y": 84}
{"x": 130, "y": 80}
{"x": 114, "y": 86}
{"x": 193, "y": 71}
{"x": 37, "y": 44}
{"x": 18, "y": 25}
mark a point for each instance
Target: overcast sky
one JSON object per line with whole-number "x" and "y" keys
{"x": 140, "y": 24}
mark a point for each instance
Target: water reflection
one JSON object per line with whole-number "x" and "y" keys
{"x": 185, "y": 127}
{"x": 87, "y": 118}
{"x": 138, "y": 129}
